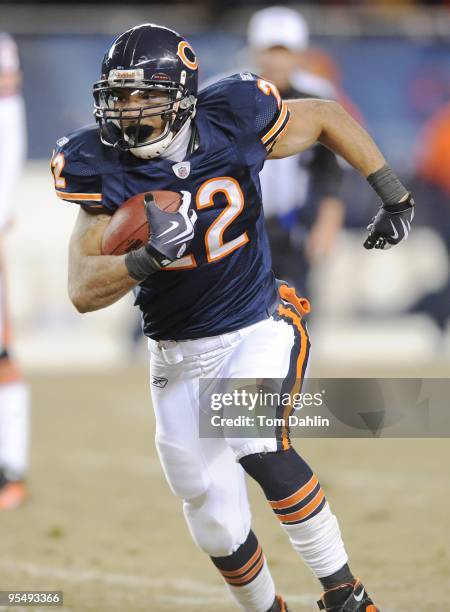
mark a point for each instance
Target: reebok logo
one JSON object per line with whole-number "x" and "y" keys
{"x": 159, "y": 381}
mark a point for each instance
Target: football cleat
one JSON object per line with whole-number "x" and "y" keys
{"x": 279, "y": 605}
{"x": 12, "y": 493}
{"x": 351, "y": 597}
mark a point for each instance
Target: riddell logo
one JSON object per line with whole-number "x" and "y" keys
{"x": 118, "y": 75}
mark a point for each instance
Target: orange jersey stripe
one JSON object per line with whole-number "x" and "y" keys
{"x": 296, "y": 497}
{"x": 303, "y": 513}
{"x": 275, "y": 140}
{"x": 279, "y": 122}
{"x": 81, "y": 197}
{"x": 248, "y": 576}
{"x": 244, "y": 568}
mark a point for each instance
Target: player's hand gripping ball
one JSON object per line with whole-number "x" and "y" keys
{"x": 159, "y": 218}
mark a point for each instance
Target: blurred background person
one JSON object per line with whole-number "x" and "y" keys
{"x": 14, "y": 399}
{"x": 302, "y": 207}
{"x": 433, "y": 178}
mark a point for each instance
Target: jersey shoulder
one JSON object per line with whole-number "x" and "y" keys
{"x": 248, "y": 104}
{"x": 83, "y": 151}
{"x": 78, "y": 163}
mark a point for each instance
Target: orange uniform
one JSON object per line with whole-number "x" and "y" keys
{"x": 434, "y": 154}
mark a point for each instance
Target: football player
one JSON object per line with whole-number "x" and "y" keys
{"x": 210, "y": 304}
{"x": 13, "y": 391}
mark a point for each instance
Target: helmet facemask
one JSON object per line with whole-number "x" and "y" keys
{"x": 126, "y": 126}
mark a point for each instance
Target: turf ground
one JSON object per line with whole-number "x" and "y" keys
{"x": 102, "y": 525}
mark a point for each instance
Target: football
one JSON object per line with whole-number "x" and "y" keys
{"x": 128, "y": 228}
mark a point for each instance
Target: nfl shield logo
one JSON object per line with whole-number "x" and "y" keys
{"x": 182, "y": 169}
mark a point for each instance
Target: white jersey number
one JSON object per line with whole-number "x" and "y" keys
{"x": 216, "y": 248}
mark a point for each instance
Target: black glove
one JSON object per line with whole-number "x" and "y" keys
{"x": 171, "y": 234}
{"x": 390, "y": 225}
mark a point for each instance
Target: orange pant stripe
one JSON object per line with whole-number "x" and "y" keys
{"x": 301, "y": 360}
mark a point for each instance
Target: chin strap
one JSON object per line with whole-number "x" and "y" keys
{"x": 174, "y": 146}
{"x": 178, "y": 147}
{"x": 155, "y": 149}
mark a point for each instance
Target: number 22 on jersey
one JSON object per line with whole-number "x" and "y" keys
{"x": 215, "y": 246}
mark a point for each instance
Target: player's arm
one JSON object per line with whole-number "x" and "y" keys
{"x": 327, "y": 122}
{"x": 95, "y": 280}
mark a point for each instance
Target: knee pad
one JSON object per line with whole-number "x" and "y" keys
{"x": 184, "y": 470}
{"x": 215, "y": 499}
{"x": 218, "y": 530}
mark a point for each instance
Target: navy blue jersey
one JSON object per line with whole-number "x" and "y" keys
{"x": 224, "y": 282}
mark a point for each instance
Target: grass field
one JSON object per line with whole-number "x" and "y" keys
{"x": 102, "y": 525}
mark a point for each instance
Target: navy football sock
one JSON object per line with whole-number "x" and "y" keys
{"x": 247, "y": 575}
{"x": 288, "y": 483}
{"x": 296, "y": 497}
{"x": 342, "y": 576}
{"x": 244, "y": 564}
